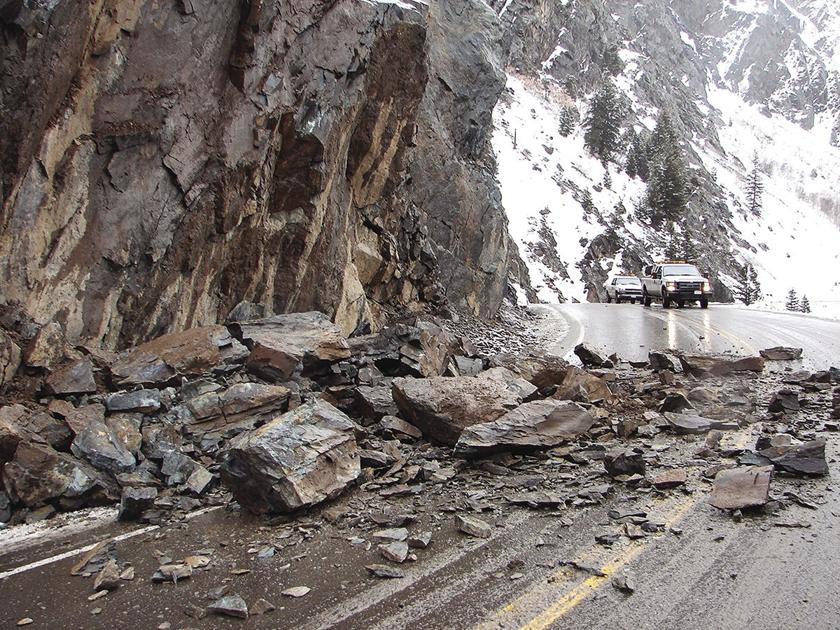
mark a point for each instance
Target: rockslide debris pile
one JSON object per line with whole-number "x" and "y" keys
{"x": 283, "y": 413}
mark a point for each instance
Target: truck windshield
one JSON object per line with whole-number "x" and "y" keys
{"x": 628, "y": 281}
{"x": 680, "y": 270}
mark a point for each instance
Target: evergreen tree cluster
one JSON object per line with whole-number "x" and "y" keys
{"x": 668, "y": 188}
{"x": 793, "y": 303}
{"x": 568, "y": 121}
{"x": 748, "y": 289}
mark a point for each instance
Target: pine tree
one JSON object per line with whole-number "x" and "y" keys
{"x": 637, "y": 159}
{"x": 607, "y": 177}
{"x": 568, "y": 121}
{"x": 748, "y": 290}
{"x": 603, "y": 123}
{"x": 805, "y": 305}
{"x": 586, "y": 202}
{"x": 668, "y": 189}
{"x": 687, "y": 249}
{"x": 755, "y": 188}
{"x": 792, "y": 303}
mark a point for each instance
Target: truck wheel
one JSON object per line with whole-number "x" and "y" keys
{"x": 609, "y": 299}
{"x": 681, "y": 303}
{"x": 617, "y": 299}
{"x": 666, "y": 301}
{"x": 704, "y": 303}
{"x": 645, "y": 298}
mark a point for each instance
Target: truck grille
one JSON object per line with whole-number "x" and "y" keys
{"x": 689, "y": 286}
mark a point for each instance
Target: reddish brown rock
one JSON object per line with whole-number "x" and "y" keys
{"x": 706, "y": 365}
{"x": 11, "y": 433}
{"x": 243, "y": 405}
{"x": 280, "y": 344}
{"x": 49, "y": 348}
{"x": 668, "y": 479}
{"x": 189, "y": 353}
{"x": 582, "y": 386}
{"x": 739, "y": 488}
{"x": 10, "y": 358}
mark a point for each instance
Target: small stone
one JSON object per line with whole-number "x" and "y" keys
{"x": 395, "y": 534}
{"x": 127, "y": 574}
{"x": 230, "y": 606}
{"x": 172, "y": 573}
{"x": 25, "y": 621}
{"x": 420, "y": 541}
{"x": 296, "y": 591}
{"x": 668, "y": 479}
{"x": 395, "y": 551}
{"x": 261, "y": 607}
{"x": 473, "y": 526}
{"x": 108, "y": 578}
{"x": 97, "y": 595}
{"x": 384, "y": 571}
{"x": 622, "y": 583}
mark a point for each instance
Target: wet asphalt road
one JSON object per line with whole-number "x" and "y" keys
{"x": 631, "y": 330}
{"x": 773, "y": 572}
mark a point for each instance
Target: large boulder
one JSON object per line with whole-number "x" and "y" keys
{"x": 295, "y": 461}
{"x": 443, "y": 407}
{"x": 282, "y": 343}
{"x": 189, "y": 353}
{"x": 533, "y": 425}
{"x": 103, "y": 448}
{"x": 74, "y": 378}
{"x": 781, "y": 353}
{"x": 708, "y": 365}
{"x": 806, "y": 459}
{"x": 38, "y": 474}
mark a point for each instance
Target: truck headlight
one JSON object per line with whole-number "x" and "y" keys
{"x": 671, "y": 286}
{"x": 707, "y": 287}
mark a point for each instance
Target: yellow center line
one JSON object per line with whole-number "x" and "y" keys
{"x": 578, "y": 593}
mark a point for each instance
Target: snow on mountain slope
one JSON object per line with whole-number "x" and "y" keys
{"x": 794, "y": 242}
{"x": 543, "y": 177}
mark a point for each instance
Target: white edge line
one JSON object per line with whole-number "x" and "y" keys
{"x": 76, "y": 552}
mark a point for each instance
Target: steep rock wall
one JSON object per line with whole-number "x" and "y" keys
{"x": 162, "y": 161}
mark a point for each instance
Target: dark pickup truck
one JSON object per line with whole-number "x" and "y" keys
{"x": 675, "y": 283}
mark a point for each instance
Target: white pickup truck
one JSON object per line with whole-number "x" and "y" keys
{"x": 675, "y": 283}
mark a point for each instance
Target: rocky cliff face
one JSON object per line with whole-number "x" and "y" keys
{"x": 162, "y": 162}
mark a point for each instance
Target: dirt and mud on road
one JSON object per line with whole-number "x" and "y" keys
{"x": 408, "y": 479}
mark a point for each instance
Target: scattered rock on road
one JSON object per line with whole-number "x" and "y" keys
{"x": 739, "y": 488}
{"x": 781, "y": 353}
{"x": 588, "y": 357}
{"x": 799, "y": 459}
{"x": 624, "y": 462}
{"x": 708, "y": 365}
{"x": 230, "y": 606}
{"x": 297, "y": 460}
{"x": 538, "y": 424}
{"x": 384, "y": 571}
{"x": 473, "y": 526}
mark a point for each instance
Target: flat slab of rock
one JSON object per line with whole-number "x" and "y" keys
{"x": 538, "y": 424}
{"x": 707, "y": 365}
{"x": 189, "y": 353}
{"x": 299, "y": 459}
{"x": 230, "y": 606}
{"x": 692, "y": 424}
{"x": 739, "y": 488}
{"x": 397, "y": 425}
{"x": 784, "y": 401}
{"x": 281, "y": 343}
{"x": 243, "y": 405}
{"x": 538, "y": 369}
{"x": 781, "y": 353}
{"x": 799, "y": 459}
{"x": 140, "y": 401}
{"x": 443, "y": 407}
{"x": 668, "y": 479}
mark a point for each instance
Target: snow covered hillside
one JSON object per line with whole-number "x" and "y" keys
{"x": 732, "y": 95}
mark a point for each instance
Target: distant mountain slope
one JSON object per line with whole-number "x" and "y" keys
{"x": 739, "y": 78}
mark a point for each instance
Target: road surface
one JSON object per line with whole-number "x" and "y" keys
{"x": 632, "y": 330}
{"x": 705, "y": 571}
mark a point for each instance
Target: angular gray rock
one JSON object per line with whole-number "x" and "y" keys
{"x": 807, "y": 459}
{"x": 135, "y": 501}
{"x": 538, "y": 424}
{"x": 443, "y": 407}
{"x": 542, "y": 370}
{"x": 473, "y": 526}
{"x": 675, "y": 402}
{"x": 281, "y": 344}
{"x": 692, "y": 424}
{"x": 375, "y": 402}
{"x": 706, "y": 365}
{"x": 781, "y": 353}
{"x": 581, "y": 386}
{"x": 740, "y": 488}
{"x": 784, "y": 401}
{"x": 297, "y": 460}
{"x": 99, "y": 445}
{"x": 399, "y": 426}
{"x": 140, "y": 401}
{"x": 75, "y": 378}
{"x": 588, "y": 357}
{"x": 624, "y": 462}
